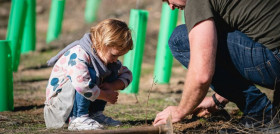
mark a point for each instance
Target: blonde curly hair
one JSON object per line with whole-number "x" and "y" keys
{"x": 111, "y": 33}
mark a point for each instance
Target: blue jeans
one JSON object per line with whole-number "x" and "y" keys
{"x": 240, "y": 63}
{"x": 83, "y": 106}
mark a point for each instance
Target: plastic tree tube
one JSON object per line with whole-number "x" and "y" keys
{"x": 55, "y": 20}
{"x": 29, "y": 33}
{"x": 91, "y": 10}
{"x": 164, "y": 58}
{"x": 133, "y": 59}
{"x": 15, "y": 30}
{"x": 183, "y": 17}
{"x": 6, "y": 77}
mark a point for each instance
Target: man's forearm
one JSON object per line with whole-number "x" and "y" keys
{"x": 203, "y": 45}
{"x": 193, "y": 94}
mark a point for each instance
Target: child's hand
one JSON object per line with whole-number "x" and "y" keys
{"x": 115, "y": 85}
{"x": 109, "y": 96}
{"x": 106, "y": 86}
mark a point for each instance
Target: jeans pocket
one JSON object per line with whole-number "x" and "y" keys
{"x": 262, "y": 74}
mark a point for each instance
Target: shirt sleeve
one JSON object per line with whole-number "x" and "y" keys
{"x": 125, "y": 75}
{"x": 197, "y": 11}
{"x": 79, "y": 75}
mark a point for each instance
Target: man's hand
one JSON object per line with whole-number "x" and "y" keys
{"x": 109, "y": 96}
{"x": 163, "y": 116}
{"x": 203, "y": 48}
{"x": 206, "y": 107}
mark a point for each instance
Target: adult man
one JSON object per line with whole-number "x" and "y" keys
{"x": 229, "y": 45}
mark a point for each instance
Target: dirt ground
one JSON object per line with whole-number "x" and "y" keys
{"x": 133, "y": 110}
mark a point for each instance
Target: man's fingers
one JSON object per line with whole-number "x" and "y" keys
{"x": 156, "y": 119}
{"x": 161, "y": 118}
{"x": 159, "y": 122}
{"x": 196, "y": 111}
{"x": 158, "y": 115}
{"x": 203, "y": 113}
{"x": 163, "y": 113}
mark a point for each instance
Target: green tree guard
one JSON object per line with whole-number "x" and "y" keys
{"x": 15, "y": 30}
{"x": 183, "y": 17}
{"x": 55, "y": 20}
{"x": 91, "y": 10}
{"x": 6, "y": 77}
{"x": 164, "y": 58}
{"x": 133, "y": 59}
{"x": 29, "y": 33}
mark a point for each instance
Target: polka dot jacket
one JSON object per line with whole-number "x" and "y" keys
{"x": 73, "y": 66}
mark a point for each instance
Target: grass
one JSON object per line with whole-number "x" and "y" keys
{"x": 30, "y": 78}
{"x": 134, "y": 112}
{"x": 30, "y": 120}
{"x": 36, "y": 59}
{"x": 28, "y": 89}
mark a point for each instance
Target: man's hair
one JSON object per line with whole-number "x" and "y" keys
{"x": 111, "y": 33}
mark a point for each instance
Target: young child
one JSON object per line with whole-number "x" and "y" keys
{"x": 86, "y": 75}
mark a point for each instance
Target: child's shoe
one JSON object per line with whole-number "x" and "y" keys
{"x": 105, "y": 120}
{"x": 84, "y": 123}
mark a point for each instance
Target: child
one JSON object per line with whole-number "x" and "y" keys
{"x": 86, "y": 75}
